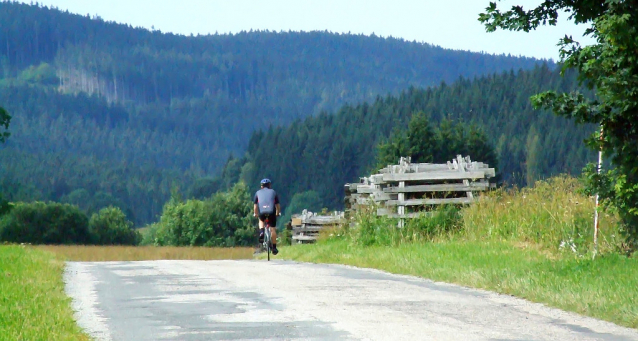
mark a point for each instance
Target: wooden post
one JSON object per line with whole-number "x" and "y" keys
{"x": 401, "y": 209}
{"x": 596, "y": 219}
{"x": 462, "y": 168}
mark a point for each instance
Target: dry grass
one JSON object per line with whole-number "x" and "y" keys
{"x": 139, "y": 253}
{"x": 553, "y": 215}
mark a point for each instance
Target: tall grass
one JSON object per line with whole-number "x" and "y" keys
{"x": 553, "y": 214}
{"x": 371, "y": 229}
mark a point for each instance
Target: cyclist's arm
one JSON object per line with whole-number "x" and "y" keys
{"x": 278, "y": 209}
{"x": 256, "y": 209}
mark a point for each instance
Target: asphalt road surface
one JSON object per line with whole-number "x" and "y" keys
{"x": 259, "y": 300}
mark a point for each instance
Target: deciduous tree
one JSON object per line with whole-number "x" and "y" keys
{"x": 610, "y": 67}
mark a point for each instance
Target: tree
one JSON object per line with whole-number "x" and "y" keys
{"x": 5, "y": 119}
{"x": 4, "y": 134}
{"x": 308, "y": 200}
{"x": 610, "y": 67}
{"x": 109, "y": 226}
{"x": 421, "y": 137}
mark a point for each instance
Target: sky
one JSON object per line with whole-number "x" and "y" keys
{"x": 447, "y": 23}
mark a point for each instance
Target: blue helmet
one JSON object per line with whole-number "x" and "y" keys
{"x": 265, "y": 182}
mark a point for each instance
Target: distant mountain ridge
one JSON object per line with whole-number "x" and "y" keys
{"x": 144, "y": 104}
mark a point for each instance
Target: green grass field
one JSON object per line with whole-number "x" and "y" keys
{"x": 33, "y": 305}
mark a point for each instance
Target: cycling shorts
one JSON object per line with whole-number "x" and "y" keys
{"x": 272, "y": 218}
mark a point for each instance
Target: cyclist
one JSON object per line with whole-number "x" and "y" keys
{"x": 267, "y": 206}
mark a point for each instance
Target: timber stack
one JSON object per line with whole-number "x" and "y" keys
{"x": 408, "y": 189}
{"x": 307, "y": 225}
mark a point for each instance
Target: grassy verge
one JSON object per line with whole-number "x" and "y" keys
{"x": 33, "y": 305}
{"x": 534, "y": 243}
{"x": 139, "y": 253}
{"x": 604, "y": 288}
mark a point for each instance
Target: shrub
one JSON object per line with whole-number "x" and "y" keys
{"x": 5, "y": 206}
{"x": 110, "y": 227}
{"x": 45, "y": 223}
{"x": 224, "y": 220}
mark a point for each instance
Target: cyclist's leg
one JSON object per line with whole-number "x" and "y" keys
{"x": 261, "y": 228}
{"x": 273, "y": 233}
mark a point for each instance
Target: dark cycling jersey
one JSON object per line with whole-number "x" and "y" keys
{"x": 266, "y": 199}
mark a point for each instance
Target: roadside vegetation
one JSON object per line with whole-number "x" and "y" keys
{"x": 33, "y": 305}
{"x": 78, "y": 253}
{"x": 535, "y": 243}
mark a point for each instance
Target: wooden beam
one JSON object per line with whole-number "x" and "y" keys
{"x": 304, "y": 238}
{"x": 367, "y": 190}
{"x": 416, "y": 202}
{"x": 438, "y": 188}
{"x": 407, "y": 215}
{"x": 450, "y": 175}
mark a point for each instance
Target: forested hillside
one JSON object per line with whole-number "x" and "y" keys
{"x": 325, "y": 152}
{"x": 107, "y": 113}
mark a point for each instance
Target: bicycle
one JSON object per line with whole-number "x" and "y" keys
{"x": 267, "y": 237}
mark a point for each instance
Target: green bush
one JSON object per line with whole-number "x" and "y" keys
{"x": 45, "y": 223}
{"x": 224, "y": 220}
{"x": 110, "y": 227}
{"x": 5, "y": 206}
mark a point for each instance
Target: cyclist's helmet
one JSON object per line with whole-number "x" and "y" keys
{"x": 265, "y": 182}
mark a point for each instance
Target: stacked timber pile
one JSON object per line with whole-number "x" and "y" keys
{"x": 407, "y": 189}
{"x": 307, "y": 225}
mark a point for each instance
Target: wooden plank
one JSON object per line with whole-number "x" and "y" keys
{"x": 476, "y": 186}
{"x": 450, "y": 175}
{"x": 314, "y": 221}
{"x": 304, "y": 238}
{"x": 383, "y": 196}
{"x": 367, "y": 190}
{"x": 415, "y": 202}
{"x": 407, "y": 215}
{"x": 306, "y": 229}
{"x": 365, "y": 201}
{"x": 384, "y": 211}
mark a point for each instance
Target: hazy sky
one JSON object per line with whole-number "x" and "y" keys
{"x": 447, "y": 23}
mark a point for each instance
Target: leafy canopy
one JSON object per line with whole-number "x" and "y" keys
{"x": 610, "y": 66}
{"x": 425, "y": 143}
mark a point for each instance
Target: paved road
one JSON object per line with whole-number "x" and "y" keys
{"x": 257, "y": 300}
